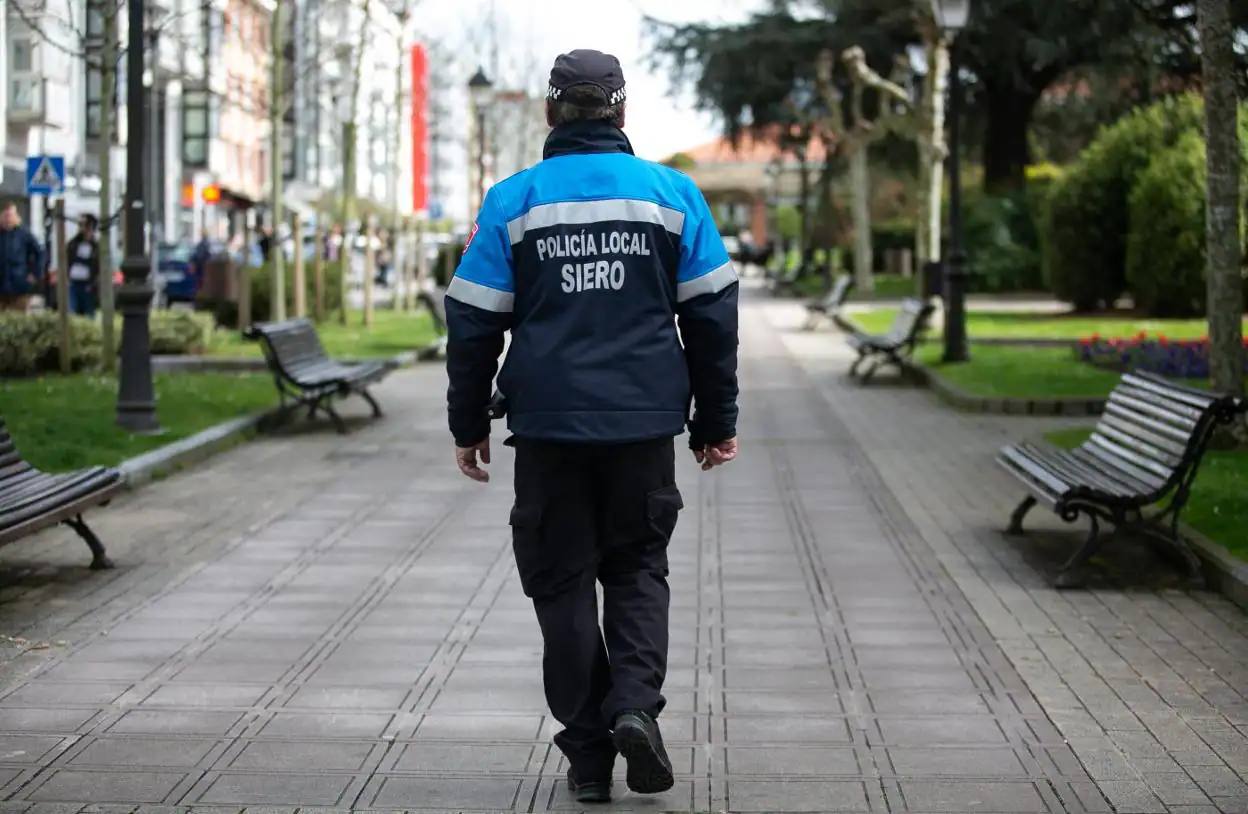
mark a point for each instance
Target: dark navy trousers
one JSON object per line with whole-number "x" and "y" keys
{"x": 589, "y": 514}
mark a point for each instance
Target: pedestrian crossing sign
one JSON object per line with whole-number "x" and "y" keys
{"x": 45, "y": 174}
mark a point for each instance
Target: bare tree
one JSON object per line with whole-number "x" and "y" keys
{"x": 277, "y": 112}
{"x": 1222, "y": 237}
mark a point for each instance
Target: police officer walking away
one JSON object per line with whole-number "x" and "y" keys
{"x": 622, "y": 305}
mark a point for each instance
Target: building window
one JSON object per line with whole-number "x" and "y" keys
{"x": 195, "y": 112}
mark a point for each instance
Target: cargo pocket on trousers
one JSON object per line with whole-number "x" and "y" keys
{"x": 662, "y": 508}
{"x": 526, "y": 542}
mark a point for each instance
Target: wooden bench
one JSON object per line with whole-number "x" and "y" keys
{"x": 306, "y": 376}
{"x": 829, "y": 305}
{"x": 893, "y": 347}
{"x": 1146, "y": 447}
{"x": 31, "y": 500}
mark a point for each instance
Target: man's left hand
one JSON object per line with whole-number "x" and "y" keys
{"x": 717, "y": 454}
{"x": 466, "y": 457}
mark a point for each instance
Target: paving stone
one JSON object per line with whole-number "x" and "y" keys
{"x": 462, "y": 757}
{"x": 288, "y": 756}
{"x": 479, "y": 727}
{"x": 459, "y": 793}
{"x": 69, "y": 693}
{"x": 106, "y": 787}
{"x": 945, "y": 729}
{"x": 153, "y": 752}
{"x": 327, "y": 724}
{"x": 791, "y": 761}
{"x": 26, "y": 748}
{"x": 347, "y": 698}
{"x": 205, "y": 695}
{"x": 175, "y": 722}
{"x": 31, "y": 719}
{"x": 952, "y": 762}
{"x": 798, "y": 795}
{"x": 751, "y": 730}
{"x": 962, "y": 796}
{"x": 276, "y": 788}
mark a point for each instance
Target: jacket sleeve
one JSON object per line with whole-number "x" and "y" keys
{"x": 479, "y": 303}
{"x": 34, "y": 256}
{"x": 706, "y": 309}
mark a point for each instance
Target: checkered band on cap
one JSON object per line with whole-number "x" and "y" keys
{"x": 613, "y": 98}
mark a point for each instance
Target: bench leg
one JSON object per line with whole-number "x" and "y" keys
{"x": 870, "y": 373}
{"x": 340, "y": 425}
{"x": 99, "y": 559}
{"x": 853, "y": 369}
{"x": 1172, "y": 538}
{"x": 372, "y": 402}
{"x": 1070, "y": 576}
{"x": 1016, "y": 518}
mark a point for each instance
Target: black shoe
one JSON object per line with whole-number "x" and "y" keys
{"x": 589, "y": 791}
{"x": 637, "y": 738}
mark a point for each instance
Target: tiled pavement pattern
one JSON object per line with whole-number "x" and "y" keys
{"x": 1148, "y": 683}
{"x": 318, "y": 623}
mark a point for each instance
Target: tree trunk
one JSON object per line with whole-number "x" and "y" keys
{"x": 348, "y": 151}
{"x": 932, "y": 153}
{"x": 277, "y": 99}
{"x": 108, "y": 90}
{"x": 1006, "y": 152}
{"x": 1225, "y": 285}
{"x": 861, "y": 183}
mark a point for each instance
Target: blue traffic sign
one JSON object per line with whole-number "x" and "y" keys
{"x": 45, "y": 174}
{"x": 435, "y": 210}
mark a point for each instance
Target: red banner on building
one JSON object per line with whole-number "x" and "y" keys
{"x": 420, "y": 128}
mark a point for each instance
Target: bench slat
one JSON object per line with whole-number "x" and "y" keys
{"x": 1129, "y": 437}
{"x": 1177, "y": 436}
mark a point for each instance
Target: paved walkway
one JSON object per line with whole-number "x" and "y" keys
{"x": 322, "y": 623}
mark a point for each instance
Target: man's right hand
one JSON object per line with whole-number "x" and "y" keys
{"x": 466, "y": 457}
{"x": 718, "y": 454}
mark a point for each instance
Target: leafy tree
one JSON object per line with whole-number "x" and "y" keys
{"x": 757, "y": 72}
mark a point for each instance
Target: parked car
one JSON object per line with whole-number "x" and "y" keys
{"x": 179, "y": 280}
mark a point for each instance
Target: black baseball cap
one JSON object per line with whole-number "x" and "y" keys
{"x": 585, "y": 66}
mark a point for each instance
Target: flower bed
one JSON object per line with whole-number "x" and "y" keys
{"x": 1179, "y": 359}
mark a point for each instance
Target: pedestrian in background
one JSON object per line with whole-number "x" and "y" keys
{"x": 622, "y": 306}
{"x": 83, "y": 256}
{"x": 21, "y": 261}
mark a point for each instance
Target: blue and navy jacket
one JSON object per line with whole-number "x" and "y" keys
{"x": 621, "y": 300}
{"x": 21, "y": 257}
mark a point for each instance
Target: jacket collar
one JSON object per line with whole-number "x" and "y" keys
{"x": 586, "y": 137}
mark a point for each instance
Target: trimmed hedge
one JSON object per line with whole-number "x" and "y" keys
{"x": 1087, "y": 218}
{"x": 29, "y": 343}
{"x": 1165, "y": 261}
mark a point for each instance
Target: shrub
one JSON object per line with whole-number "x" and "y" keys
{"x": 1086, "y": 222}
{"x": 225, "y": 312}
{"x": 179, "y": 332}
{"x": 1001, "y": 244}
{"x": 29, "y": 343}
{"x": 1165, "y": 260}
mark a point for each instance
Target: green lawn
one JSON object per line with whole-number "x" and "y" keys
{"x": 393, "y": 332}
{"x": 1004, "y": 325}
{"x": 1219, "y": 503}
{"x": 67, "y": 422}
{"x": 887, "y": 287}
{"x": 1021, "y": 372}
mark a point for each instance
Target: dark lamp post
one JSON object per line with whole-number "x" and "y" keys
{"x": 136, "y": 398}
{"x": 480, "y": 91}
{"x": 952, "y": 17}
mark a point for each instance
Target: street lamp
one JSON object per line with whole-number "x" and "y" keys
{"x": 480, "y": 89}
{"x": 136, "y": 399}
{"x": 952, "y": 16}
